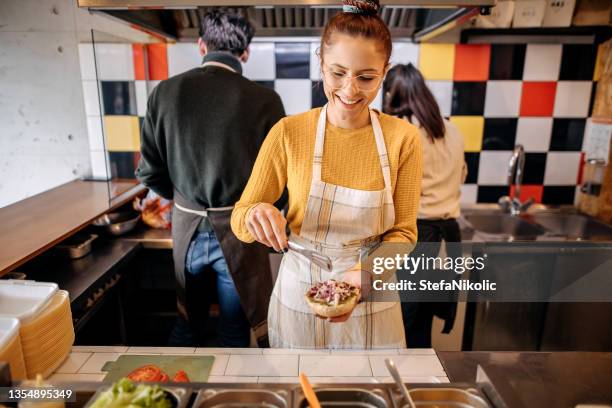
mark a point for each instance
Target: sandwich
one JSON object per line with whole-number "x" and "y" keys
{"x": 332, "y": 298}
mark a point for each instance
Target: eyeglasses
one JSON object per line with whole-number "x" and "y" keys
{"x": 337, "y": 79}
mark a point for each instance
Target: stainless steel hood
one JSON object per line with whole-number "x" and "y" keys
{"x": 179, "y": 19}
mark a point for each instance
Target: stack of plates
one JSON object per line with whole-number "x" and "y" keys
{"x": 46, "y": 330}
{"x": 10, "y": 347}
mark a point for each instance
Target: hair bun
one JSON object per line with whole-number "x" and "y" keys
{"x": 367, "y": 7}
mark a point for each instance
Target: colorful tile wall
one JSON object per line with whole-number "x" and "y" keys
{"x": 498, "y": 95}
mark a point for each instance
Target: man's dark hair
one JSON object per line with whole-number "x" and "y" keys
{"x": 226, "y": 29}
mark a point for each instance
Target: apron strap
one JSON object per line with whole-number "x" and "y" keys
{"x": 202, "y": 213}
{"x": 380, "y": 147}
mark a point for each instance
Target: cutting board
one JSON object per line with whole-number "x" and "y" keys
{"x": 196, "y": 367}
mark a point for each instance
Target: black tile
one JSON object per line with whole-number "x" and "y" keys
{"x": 499, "y": 134}
{"x": 122, "y": 164}
{"x": 490, "y": 194}
{"x": 578, "y": 62}
{"x": 535, "y": 167}
{"x": 507, "y": 61}
{"x": 267, "y": 84}
{"x": 119, "y": 97}
{"x": 292, "y": 60}
{"x": 592, "y": 100}
{"x": 567, "y": 134}
{"x": 318, "y": 95}
{"x": 468, "y": 98}
{"x": 558, "y": 194}
{"x": 472, "y": 160}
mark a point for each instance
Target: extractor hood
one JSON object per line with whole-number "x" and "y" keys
{"x": 179, "y": 20}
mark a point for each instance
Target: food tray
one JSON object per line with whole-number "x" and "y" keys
{"x": 179, "y": 395}
{"x": 243, "y": 398}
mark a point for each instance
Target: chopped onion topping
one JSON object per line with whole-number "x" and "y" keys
{"x": 332, "y": 292}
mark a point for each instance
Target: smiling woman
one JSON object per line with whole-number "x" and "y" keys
{"x": 353, "y": 176}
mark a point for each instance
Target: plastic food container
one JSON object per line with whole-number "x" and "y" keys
{"x": 10, "y": 347}
{"x": 24, "y": 299}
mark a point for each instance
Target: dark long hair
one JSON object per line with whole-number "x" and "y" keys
{"x": 406, "y": 94}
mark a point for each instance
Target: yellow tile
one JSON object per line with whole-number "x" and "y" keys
{"x": 471, "y": 127}
{"x": 122, "y": 133}
{"x": 437, "y": 61}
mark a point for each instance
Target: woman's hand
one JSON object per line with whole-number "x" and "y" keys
{"x": 267, "y": 225}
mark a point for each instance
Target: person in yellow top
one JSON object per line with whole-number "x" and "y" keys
{"x": 353, "y": 176}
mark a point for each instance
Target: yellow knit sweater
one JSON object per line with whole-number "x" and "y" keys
{"x": 350, "y": 159}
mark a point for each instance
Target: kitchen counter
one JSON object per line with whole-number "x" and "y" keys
{"x": 538, "y": 379}
{"x": 255, "y": 365}
{"x": 33, "y": 225}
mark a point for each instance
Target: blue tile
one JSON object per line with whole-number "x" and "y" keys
{"x": 499, "y": 133}
{"x": 567, "y": 134}
{"x": 468, "y": 98}
{"x": 292, "y": 60}
{"x": 119, "y": 97}
{"x": 318, "y": 94}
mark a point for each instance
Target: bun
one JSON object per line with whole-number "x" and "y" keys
{"x": 368, "y": 7}
{"x": 332, "y": 298}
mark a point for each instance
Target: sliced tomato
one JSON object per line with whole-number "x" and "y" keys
{"x": 180, "y": 376}
{"x": 164, "y": 377}
{"x": 148, "y": 372}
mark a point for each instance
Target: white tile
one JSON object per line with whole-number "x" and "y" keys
{"x": 542, "y": 62}
{"x": 503, "y": 99}
{"x": 262, "y": 366}
{"x": 417, "y": 351}
{"x": 561, "y": 168}
{"x": 404, "y": 53}
{"x": 443, "y": 92}
{"x": 96, "y": 361}
{"x": 295, "y": 94}
{"x": 377, "y": 102}
{"x": 444, "y": 379}
{"x": 87, "y": 62}
{"x": 100, "y": 349}
{"x": 227, "y": 350}
{"x": 278, "y": 351}
{"x": 99, "y": 164}
{"x": 90, "y": 98}
{"x": 183, "y": 57}
{"x": 365, "y": 352}
{"x": 534, "y": 133}
{"x": 220, "y": 364}
{"x": 572, "y": 99}
{"x": 161, "y": 350}
{"x": 339, "y": 380}
{"x": 73, "y": 363}
{"x": 115, "y": 62}
{"x": 278, "y": 380}
{"x": 335, "y": 365}
{"x": 493, "y": 168}
{"x": 315, "y": 67}
{"x": 151, "y": 85}
{"x": 231, "y": 379}
{"x": 60, "y": 377}
{"x": 577, "y": 196}
{"x": 409, "y": 366}
{"x": 94, "y": 133}
{"x": 412, "y": 380}
{"x": 261, "y": 64}
{"x": 469, "y": 194}
{"x": 141, "y": 97}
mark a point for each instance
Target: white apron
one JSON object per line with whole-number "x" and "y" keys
{"x": 338, "y": 221}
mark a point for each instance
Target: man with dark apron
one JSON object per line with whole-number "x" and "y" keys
{"x": 200, "y": 138}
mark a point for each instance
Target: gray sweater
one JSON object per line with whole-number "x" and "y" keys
{"x": 203, "y": 131}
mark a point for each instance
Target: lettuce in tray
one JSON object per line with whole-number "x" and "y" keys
{"x": 125, "y": 394}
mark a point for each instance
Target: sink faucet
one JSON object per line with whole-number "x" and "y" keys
{"x": 516, "y": 167}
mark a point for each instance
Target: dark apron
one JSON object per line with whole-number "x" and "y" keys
{"x": 248, "y": 265}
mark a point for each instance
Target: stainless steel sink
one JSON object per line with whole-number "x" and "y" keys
{"x": 499, "y": 226}
{"x": 573, "y": 226}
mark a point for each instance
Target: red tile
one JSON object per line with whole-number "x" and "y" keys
{"x": 581, "y": 169}
{"x": 158, "y": 61}
{"x": 528, "y": 191}
{"x": 472, "y": 62}
{"x": 538, "y": 98}
{"x": 139, "y": 62}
